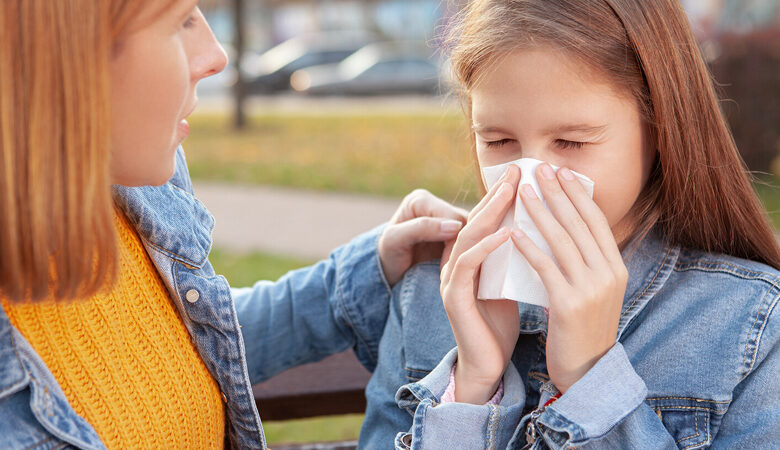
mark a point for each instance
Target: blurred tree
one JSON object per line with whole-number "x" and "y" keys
{"x": 239, "y": 90}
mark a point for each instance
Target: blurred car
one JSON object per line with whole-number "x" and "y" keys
{"x": 380, "y": 68}
{"x": 270, "y": 72}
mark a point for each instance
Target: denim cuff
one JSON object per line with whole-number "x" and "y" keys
{"x": 363, "y": 293}
{"x": 600, "y": 400}
{"x": 458, "y": 425}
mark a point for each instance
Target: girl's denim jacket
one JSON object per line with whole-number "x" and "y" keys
{"x": 696, "y": 364}
{"x": 340, "y": 302}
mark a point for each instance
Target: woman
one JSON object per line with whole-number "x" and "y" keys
{"x": 114, "y": 330}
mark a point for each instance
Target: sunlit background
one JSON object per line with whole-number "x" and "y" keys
{"x": 333, "y": 97}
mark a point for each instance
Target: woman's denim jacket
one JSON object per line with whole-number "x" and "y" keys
{"x": 696, "y": 364}
{"x": 338, "y": 303}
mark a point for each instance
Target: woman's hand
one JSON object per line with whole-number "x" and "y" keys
{"x": 485, "y": 331}
{"x": 586, "y": 292}
{"x": 420, "y": 230}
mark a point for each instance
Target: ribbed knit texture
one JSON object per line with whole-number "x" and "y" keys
{"x": 125, "y": 361}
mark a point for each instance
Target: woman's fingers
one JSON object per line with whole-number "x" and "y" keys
{"x": 569, "y": 217}
{"x": 592, "y": 216}
{"x": 562, "y": 245}
{"x": 421, "y": 203}
{"x": 422, "y": 218}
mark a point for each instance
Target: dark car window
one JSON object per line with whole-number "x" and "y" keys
{"x": 316, "y": 58}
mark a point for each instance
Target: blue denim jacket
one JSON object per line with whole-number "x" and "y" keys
{"x": 696, "y": 365}
{"x": 310, "y": 313}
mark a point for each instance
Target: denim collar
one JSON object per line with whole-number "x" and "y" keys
{"x": 169, "y": 219}
{"x": 649, "y": 262}
{"x": 13, "y": 377}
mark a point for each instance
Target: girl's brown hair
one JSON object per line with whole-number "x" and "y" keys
{"x": 56, "y": 230}
{"x": 699, "y": 192}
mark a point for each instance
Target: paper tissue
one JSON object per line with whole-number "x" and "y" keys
{"x": 505, "y": 272}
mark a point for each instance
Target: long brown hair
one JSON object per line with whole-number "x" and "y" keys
{"x": 56, "y": 230}
{"x": 699, "y": 192}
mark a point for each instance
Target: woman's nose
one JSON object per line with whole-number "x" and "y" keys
{"x": 210, "y": 58}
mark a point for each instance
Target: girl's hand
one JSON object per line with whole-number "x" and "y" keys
{"x": 485, "y": 331}
{"x": 586, "y": 292}
{"x": 418, "y": 231}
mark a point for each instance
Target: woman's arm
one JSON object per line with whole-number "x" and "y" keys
{"x": 342, "y": 301}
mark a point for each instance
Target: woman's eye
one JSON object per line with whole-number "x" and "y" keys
{"x": 498, "y": 143}
{"x": 189, "y": 22}
{"x": 569, "y": 145}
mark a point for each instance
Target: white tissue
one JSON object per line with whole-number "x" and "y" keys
{"x": 505, "y": 272}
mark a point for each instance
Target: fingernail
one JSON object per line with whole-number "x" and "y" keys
{"x": 566, "y": 173}
{"x": 501, "y": 232}
{"x": 451, "y": 226}
{"x": 518, "y": 233}
{"x": 529, "y": 191}
{"x": 547, "y": 172}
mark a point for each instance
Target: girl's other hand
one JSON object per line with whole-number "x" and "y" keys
{"x": 586, "y": 292}
{"x": 420, "y": 230}
{"x": 485, "y": 331}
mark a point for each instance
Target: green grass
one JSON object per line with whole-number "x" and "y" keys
{"x": 319, "y": 429}
{"x": 386, "y": 155}
{"x": 244, "y": 270}
{"x": 768, "y": 190}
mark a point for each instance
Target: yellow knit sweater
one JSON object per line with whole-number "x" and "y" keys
{"x": 125, "y": 360}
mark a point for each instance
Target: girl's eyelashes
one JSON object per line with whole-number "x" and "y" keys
{"x": 569, "y": 145}
{"x": 498, "y": 143}
{"x": 562, "y": 143}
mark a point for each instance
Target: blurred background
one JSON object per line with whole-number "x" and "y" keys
{"x": 332, "y": 110}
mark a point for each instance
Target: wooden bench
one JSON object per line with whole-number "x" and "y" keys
{"x": 332, "y": 386}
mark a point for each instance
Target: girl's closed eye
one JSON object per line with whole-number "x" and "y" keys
{"x": 569, "y": 145}
{"x": 498, "y": 143}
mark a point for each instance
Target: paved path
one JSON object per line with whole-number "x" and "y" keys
{"x": 290, "y": 222}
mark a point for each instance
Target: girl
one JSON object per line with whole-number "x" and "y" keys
{"x": 663, "y": 329}
{"x": 114, "y": 330}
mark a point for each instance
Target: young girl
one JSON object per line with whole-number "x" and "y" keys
{"x": 114, "y": 330}
{"x": 663, "y": 329}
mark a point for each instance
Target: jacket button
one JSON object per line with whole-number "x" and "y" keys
{"x": 192, "y": 296}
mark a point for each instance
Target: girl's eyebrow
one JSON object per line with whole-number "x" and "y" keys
{"x": 582, "y": 128}
{"x": 480, "y": 129}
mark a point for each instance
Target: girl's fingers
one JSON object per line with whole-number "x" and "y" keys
{"x": 512, "y": 176}
{"x": 563, "y": 247}
{"x": 592, "y": 216}
{"x": 464, "y": 268}
{"x": 568, "y": 216}
{"x": 544, "y": 265}
{"x": 483, "y": 223}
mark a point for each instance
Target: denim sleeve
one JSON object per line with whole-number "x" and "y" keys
{"x": 605, "y": 408}
{"x": 753, "y": 417}
{"x": 316, "y": 311}
{"x": 439, "y": 425}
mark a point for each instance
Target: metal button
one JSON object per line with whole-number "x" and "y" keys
{"x": 192, "y": 296}
{"x": 224, "y": 398}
